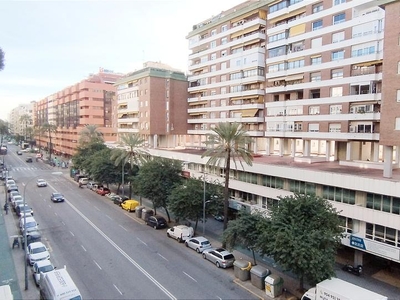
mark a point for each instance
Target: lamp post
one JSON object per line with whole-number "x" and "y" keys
{"x": 204, "y": 203}
{"x": 25, "y": 237}
{"x": 122, "y": 181}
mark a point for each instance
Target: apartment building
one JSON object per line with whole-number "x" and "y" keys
{"x": 88, "y": 102}
{"x": 21, "y": 120}
{"x": 152, "y": 102}
{"x": 316, "y": 84}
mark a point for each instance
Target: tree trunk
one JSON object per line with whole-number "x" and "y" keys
{"x": 226, "y": 194}
{"x": 301, "y": 282}
{"x": 50, "y": 148}
{"x": 167, "y": 212}
{"x": 254, "y": 257}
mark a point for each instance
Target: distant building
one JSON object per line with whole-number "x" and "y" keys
{"x": 152, "y": 102}
{"x": 18, "y": 124}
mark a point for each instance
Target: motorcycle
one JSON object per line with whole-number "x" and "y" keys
{"x": 356, "y": 270}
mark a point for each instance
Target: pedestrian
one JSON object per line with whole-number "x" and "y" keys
{"x": 6, "y": 208}
{"x": 15, "y": 243}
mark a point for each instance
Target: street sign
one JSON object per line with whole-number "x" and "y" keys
{"x": 357, "y": 242}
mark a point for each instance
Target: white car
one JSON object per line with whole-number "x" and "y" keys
{"x": 42, "y": 266}
{"x": 36, "y": 252}
{"x": 180, "y": 232}
{"x": 41, "y": 183}
{"x": 198, "y": 243}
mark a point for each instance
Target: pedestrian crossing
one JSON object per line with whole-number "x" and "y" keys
{"x": 25, "y": 169}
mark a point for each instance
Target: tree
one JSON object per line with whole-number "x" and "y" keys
{"x": 2, "y": 55}
{"x": 49, "y": 129}
{"x": 186, "y": 200}
{"x": 25, "y": 120}
{"x": 243, "y": 231}
{"x": 229, "y": 142}
{"x": 3, "y": 129}
{"x": 90, "y": 134}
{"x": 101, "y": 168}
{"x": 83, "y": 155}
{"x": 302, "y": 235}
{"x": 38, "y": 131}
{"x": 156, "y": 180}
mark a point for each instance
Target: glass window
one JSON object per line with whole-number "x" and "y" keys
{"x": 316, "y": 60}
{"x": 224, "y": 28}
{"x": 316, "y": 76}
{"x": 337, "y": 73}
{"x": 337, "y": 2}
{"x": 295, "y": 64}
{"x": 317, "y": 25}
{"x": 317, "y": 7}
{"x": 337, "y": 91}
{"x": 213, "y": 44}
{"x": 337, "y": 37}
{"x": 277, "y": 51}
{"x": 224, "y": 40}
{"x": 339, "y": 18}
{"x": 213, "y": 32}
{"x": 336, "y": 55}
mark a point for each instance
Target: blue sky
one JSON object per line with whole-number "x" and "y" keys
{"x": 50, "y": 45}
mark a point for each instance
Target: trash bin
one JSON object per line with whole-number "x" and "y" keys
{"x": 242, "y": 269}
{"x": 147, "y": 212}
{"x": 273, "y": 285}
{"x": 138, "y": 211}
{"x": 258, "y": 274}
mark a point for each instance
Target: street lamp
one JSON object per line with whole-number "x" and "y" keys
{"x": 25, "y": 237}
{"x": 204, "y": 203}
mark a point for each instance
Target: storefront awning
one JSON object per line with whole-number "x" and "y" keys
{"x": 249, "y": 112}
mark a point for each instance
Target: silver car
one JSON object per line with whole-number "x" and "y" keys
{"x": 41, "y": 266}
{"x": 198, "y": 243}
{"x": 220, "y": 257}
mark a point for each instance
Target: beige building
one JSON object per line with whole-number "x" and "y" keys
{"x": 19, "y": 126}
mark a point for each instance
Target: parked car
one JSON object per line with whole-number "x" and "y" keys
{"x": 57, "y": 197}
{"x": 156, "y": 222}
{"x": 41, "y": 183}
{"x": 10, "y": 182}
{"x": 220, "y": 257}
{"x": 29, "y": 159}
{"x": 42, "y": 266}
{"x": 12, "y": 187}
{"x": 119, "y": 199}
{"x": 198, "y": 243}
{"x": 16, "y": 202}
{"x": 23, "y": 209}
{"x": 19, "y": 152}
{"x": 111, "y": 195}
{"x": 90, "y": 185}
{"x": 181, "y": 233}
{"x": 36, "y": 252}
{"x": 130, "y": 205}
{"x": 103, "y": 191}
{"x": 12, "y": 194}
{"x": 31, "y": 225}
{"x": 32, "y": 236}
{"x": 96, "y": 187}
{"x": 83, "y": 180}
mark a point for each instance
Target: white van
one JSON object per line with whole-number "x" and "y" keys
{"x": 181, "y": 233}
{"x": 57, "y": 285}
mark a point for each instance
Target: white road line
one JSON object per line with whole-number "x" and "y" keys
{"x": 55, "y": 214}
{"x": 83, "y": 248}
{"x": 162, "y": 256}
{"x": 97, "y": 208}
{"x": 219, "y": 297}
{"x": 123, "y": 227}
{"x": 97, "y": 264}
{"x": 130, "y": 259}
{"x": 141, "y": 241}
{"x": 119, "y": 290}
{"x": 62, "y": 222}
{"x": 72, "y": 233}
{"x": 190, "y": 276}
{"x": 108, "y": 217}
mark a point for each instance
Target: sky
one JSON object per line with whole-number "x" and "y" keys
{"x": 50, "y": 45}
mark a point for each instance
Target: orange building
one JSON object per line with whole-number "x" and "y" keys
{"x": 88, "y": 102}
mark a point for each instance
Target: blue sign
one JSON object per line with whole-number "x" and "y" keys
{"x": 357, "y": 242}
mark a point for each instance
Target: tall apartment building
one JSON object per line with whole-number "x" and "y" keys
{"x": 88, "y": 102}
{"x": 316, "y": 84}
{"x": 152, "y": 102}
{"x": 16, "y": 124}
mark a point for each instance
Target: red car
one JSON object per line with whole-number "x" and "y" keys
{"x": 103, "y": 191}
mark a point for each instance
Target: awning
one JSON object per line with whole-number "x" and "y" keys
{"x": 276, "y": 79}
{"x": 121, "y": 115}
{"x": 252, "y": 42}
{"x": 237, "y": 46}
{"x": 298, "y": 29}
{"x": 244, "y": 97}
{"x": 195, "y": 114}
{"x": 241, "y": 17}
{"x": 368, "y": 63}
{"x": 249, "y": 112}
{"x": 197, "y": 103}
{"x": 315, "y": 56}
{"x": 245, "y": 31}
{"x": 296, "y": 58}
{"x": 294, "y": 77}
{"x": 286, "y": 16}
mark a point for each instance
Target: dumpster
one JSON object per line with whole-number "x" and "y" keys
{"x": 242, "y": 269}
{"x": 273, "y": 285}
{"x": 258, "y": 274}
{"x": 147, "y": 212}
{"x": 138, "y": 211}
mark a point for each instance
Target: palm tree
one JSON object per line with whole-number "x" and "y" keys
{"x": 3, "y": 129}
{"x": 49, "y": 128}
{"x": 25, "y": 119}
{"x": 90, "y": 134}
{"x": 131, "y": 153}
{"x": 38, "y": 132}
{"x": 230, "y": 142}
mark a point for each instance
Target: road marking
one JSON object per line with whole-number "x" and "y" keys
{"x": 123, "y": 227}
{"x": 162, "y": 256}
{"x": 97, "y": 264}
{"x": 130, "y": 259}
{"x": 108, "y": 217}
{"x": 119, "y": 290}
{"x": 55, "y": 214}
{"x": 219, "y": 297}
{"x": 83, "y": 248}
{"x": 190, "y": 276}
{"x": 62, "y": 222}
{"x": 141, "y": 241}
{"x": 72, "y": 233}
{"x": 96, "y": 208}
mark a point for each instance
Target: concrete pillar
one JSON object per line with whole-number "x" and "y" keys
{"x": 375, "y": 151}
{"x": 281, "y": 147}
{"x": 268, "y": 144}
{"x": 293, "y": 148}
{"x": 358, "y": 257}
{"x": 255, "y": 146}
{"x": 306, "y": 148}
{"x": 328, "y": 151}
{"x": 387, "y": 164}
{"x": 286, "y": 146}
{"x": 348, "y": 151}
{"x": 397, "y": 156}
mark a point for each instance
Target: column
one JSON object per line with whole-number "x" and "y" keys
{"x": 387, "y": 163}
{"x": 348, "y": 151}
{"x": 281, "y": 147}
{"x": 375, "y": 151}
{"x": 255, "y": 146}
{"x": 293, "y": 148}
{"x": 328, "y": 150}
{"x": 306, "y": 148}
{"x": 268, "y": 144}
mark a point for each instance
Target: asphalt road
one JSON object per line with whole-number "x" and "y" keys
{"x": 109, "y": 254}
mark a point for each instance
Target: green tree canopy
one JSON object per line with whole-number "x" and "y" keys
{"x": 228, "y": 142}
{"x": 302, "y": 235}
{"x": 49, "y": 129}
{"x": 157, "y": 178}
{"x": 90, "y": 134}
{"x": 101, "y": 168}
{"x": 83, "y": 155}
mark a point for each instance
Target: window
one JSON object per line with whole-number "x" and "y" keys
{"x": 336, "y": 55}
{"x": 223, "y": 90}
{"x": 339, "y": 18}
{"x": 213, "y": 68}
{"x": 363, "y": 49}
{"x": 337, "y": 73}
{"x": 278, "y": 6}
{"x": 276, "y": 68}
{"x": 313, "y": 127}
{"x": 398, "y": 96}
{"x": 224, "y": 28}
{"x": 337, "y": 2}
{"x": 277, "y": 51}
{"x": 317, "y": 7}
{"x": 314, "y": 94}
{"x": 277, "y": 37}
{"x": 315, "y": 43}
{"x": 224, "y": 40}
{"x": 337, "y": 91}
{"x": 213, "y": 44}
{"x": 313, "y": 110}
{"x": 295, "y": 64}
{"x": 398, "y": 67}
{"x": 316, "y": 76}
{"x": 224, "y": 53}
{"x": 213, "y": 32}
{"x": 335, "y": 109}
{"x": 397, "y": 125}
{"x": 317, "y": 25}
{"x": 214, "y": 56}
{"x": 337, "y": 37}
{"x": 335, "y": 127}
{"x": 316, "y": 60}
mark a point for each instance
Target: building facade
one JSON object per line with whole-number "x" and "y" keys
{"x": 316, "y": 84}
{"x": 152, "y": 102}
{"x": 21, "y": 121}
{"x": 88, "y": 102}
